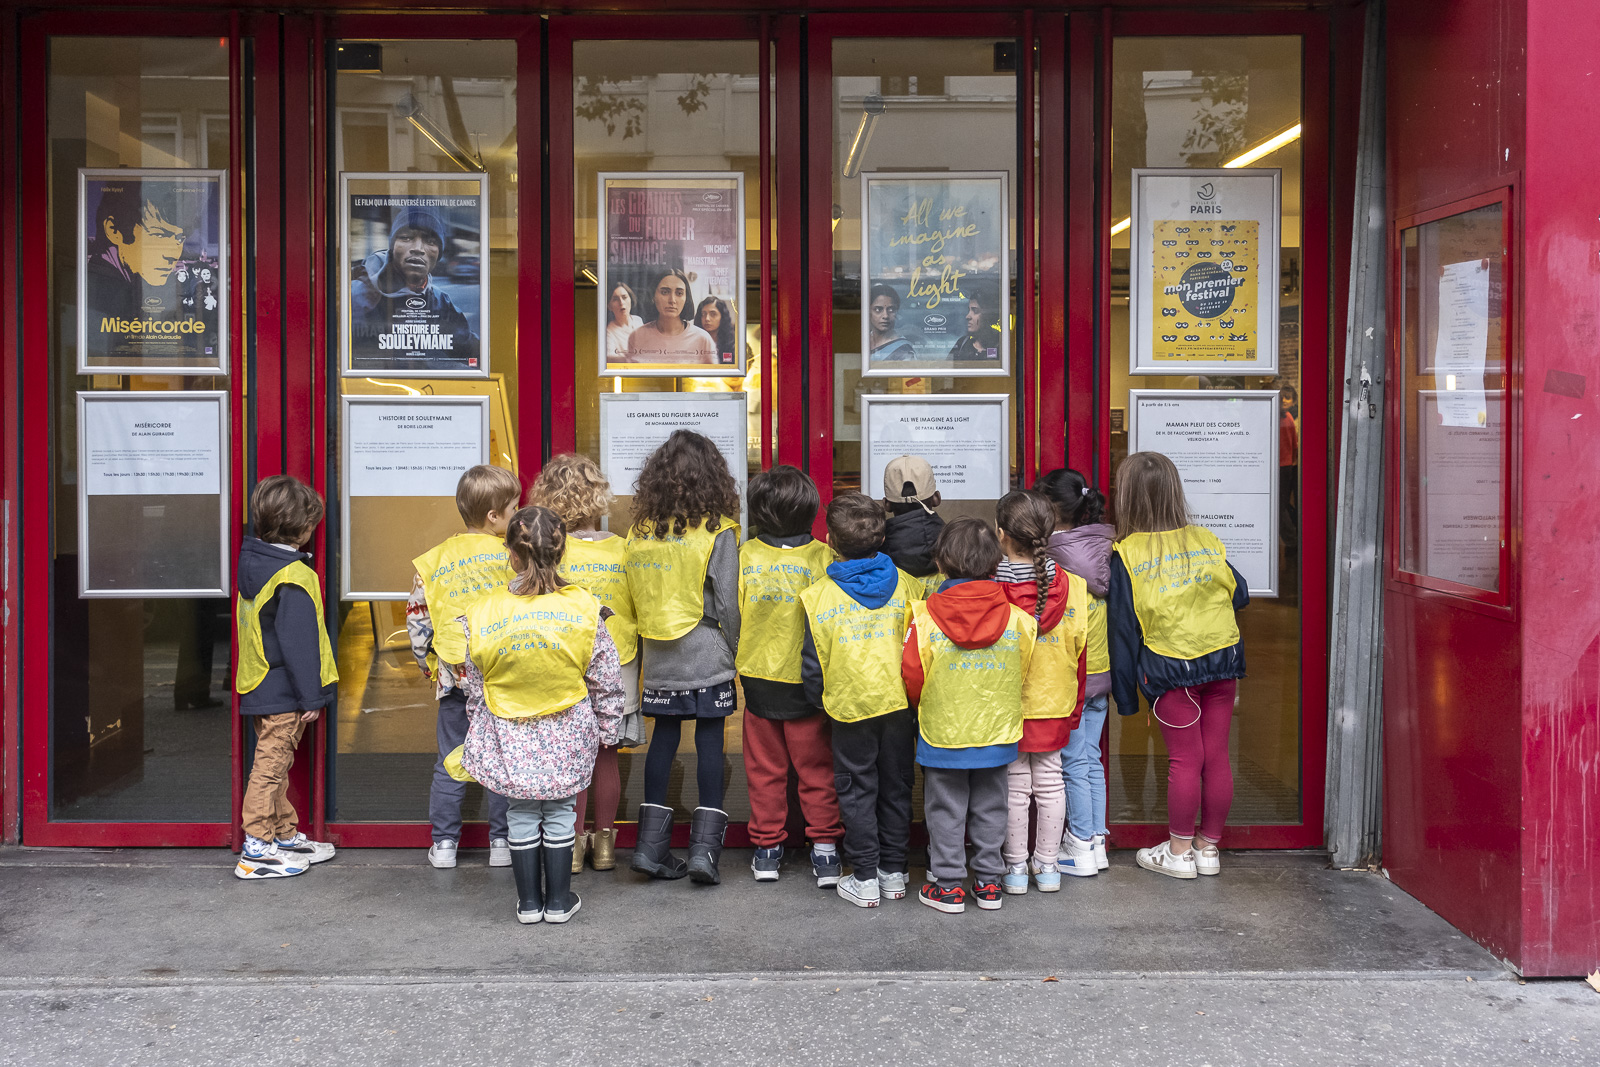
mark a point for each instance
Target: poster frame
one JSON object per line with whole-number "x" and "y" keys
{"x": 604, "y": 370}
{"x": 1141, "y": 290}
{"x": 343, "y": 280}
{"x": 219, "y": 397}
{"x": 1003, "y": 369}
{"x": 1000, "y": 400}
{"x": 1258, "y": 396}
{"x": 224, "y": 275}
{"x": 346, "y": 403}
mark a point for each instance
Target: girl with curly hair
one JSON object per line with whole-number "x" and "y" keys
{"x": 574, "y": 488}
{"x": 683, "y": 575}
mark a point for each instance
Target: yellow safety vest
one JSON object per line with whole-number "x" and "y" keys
{"x": 1099, "y": 642}
{"x": 599, "y": 567}
{"x": 771, "y": 616}
{"x": 931, "y": 584}
{"x": 253, "y": 666}
{"x": 667, "y": 579}
{"x": 455, "y": 574}
{"x": 533, "y": 651}
{"x": 1050, "y": 690}
{"x": 1184, "y": 599}
{"x": 859, "y": 648}
{"x": 972, "y": 697}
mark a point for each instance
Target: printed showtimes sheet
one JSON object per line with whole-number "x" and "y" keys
{"x": 633, "y": 425}
{"x": 163, "y": 446}
{"x": 1225, "y": 446}
{"x": 413, "y": 447}
{"x": 964, "y": 438}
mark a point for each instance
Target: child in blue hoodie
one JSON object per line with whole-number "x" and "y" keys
{"x": 855, "y": 624}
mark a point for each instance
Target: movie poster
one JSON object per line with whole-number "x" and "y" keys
{"x": 1205, "y": 254}
{"x": 935, "y": 274}
{"x": 415, "y": 301}
{"x": 670, "y": 276}
{"x": 152, "y": 271}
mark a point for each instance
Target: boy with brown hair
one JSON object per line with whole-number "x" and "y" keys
{"x": 451, "y": 577}
{"x": 286, "y": 673}
{"x": 855, "y": 624}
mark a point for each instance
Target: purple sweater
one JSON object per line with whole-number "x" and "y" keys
{"x": 1086, "y": 552}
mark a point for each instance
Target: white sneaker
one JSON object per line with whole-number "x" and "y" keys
{"x": 891, "y": 884}
{"x": 253, "y": 866}
{"x": 1207, "y": 860}
{"x": 499, "y": 852}
{"x": 1076, "y": 858}
{"x": 1101, "y": 860}
{"x": 442, "y": 854}
{"x": 1162, "y": 860}
{"x": 302, "y": 846}
{"x": 863, "y": 893}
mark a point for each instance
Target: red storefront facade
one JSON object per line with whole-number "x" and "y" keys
{"x": 107, "y": 740}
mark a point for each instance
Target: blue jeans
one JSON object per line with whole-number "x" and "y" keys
{"x": 1085, "y": 777}
{"x": 552, "y": 823}
{"x": 446, "y": 794}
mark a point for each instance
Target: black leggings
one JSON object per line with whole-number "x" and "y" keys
{"x": 664, "y": 740}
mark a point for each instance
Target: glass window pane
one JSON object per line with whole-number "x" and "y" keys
{"x": 649, "y": 106}
{"x": 1203, "y": 103}
{"x": 445, "y": 108}
{"x": 1453, "y": 385}
{"x": 142, "y": 733}
{"x": 927, "y": 106}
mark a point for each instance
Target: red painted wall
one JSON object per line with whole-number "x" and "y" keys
{"x": 1560, "y": 548}
{"x": 1452, "y": 673}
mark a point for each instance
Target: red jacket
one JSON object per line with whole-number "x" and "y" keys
{"x": 1025, "y": 595}
{"x": 973, "y": 615}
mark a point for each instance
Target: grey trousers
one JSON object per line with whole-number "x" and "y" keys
{"x": 446, "y": 794}
{"x": 958, "y": 803}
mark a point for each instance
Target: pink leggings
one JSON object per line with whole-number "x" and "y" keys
{"x": 607, "y": 788}
{"x": 1195, "y": 721}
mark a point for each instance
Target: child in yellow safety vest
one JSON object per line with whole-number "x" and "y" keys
{"x": 544, "y": 694}
{"x": 574, "y": 488}
{"x": 855, "y": 623}
{"x": 965, "y": 663}
{"x": 1174, "y": 637}
{"x": 683, "y": 575}
{"x": 1052, "y": 694}
{"x": 1081, "y": 544}
{"x": 286, "y": 671}
{"x": 783, "y": 730}
{"x": 450, "y": 577}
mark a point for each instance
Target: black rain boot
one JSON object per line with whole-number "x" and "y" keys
{"x": 525, "y": 866}
{"x": 560, "y": 902}
{"x": 706, "y": 828}
{"x": 652, "y": 852}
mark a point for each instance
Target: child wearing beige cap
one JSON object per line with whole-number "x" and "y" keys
{"x": 912, "y": 497}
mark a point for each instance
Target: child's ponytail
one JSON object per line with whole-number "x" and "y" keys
{"x": 536, "y": 537}
{"x": 1028, "y": 519}
{"x": 1076, "y": 502}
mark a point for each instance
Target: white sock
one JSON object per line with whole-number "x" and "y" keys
{"x": 827, "y": 849}
{"x": 1019, "y": 868}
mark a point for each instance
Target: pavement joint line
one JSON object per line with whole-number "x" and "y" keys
{"x": 24, "y": 986}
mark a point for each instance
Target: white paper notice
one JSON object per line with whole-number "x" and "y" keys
{"x": 1462, "y": 494}
{"x": 633, "y": 425}
{"x": 963, "y": 441}
{"x": 164, "y": 446}
{"x": 413, "y": 448}
{"x": 1225, "y": 447}
{"x": 1462, "y": 344}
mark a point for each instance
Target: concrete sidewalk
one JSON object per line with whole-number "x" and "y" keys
{"x": 181, "y": 913}
{"x": 163, "y": 957}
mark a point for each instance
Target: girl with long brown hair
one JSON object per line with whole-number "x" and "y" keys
{"x": 544, "y": 693}
{"x": 1173, "y": 636}
{"x": 1052, "y": 695}
{"x": 683, "y": 576}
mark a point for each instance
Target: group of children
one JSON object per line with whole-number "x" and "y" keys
{"x": 982, "y": 653}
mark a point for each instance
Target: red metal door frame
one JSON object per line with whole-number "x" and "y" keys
{"x": 1315, "y": 29}
{"x": 33, "y": 370}
{"x": 321, "y": 391}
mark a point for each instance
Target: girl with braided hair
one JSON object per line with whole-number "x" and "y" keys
{"x": 544, "y": 693}
{"x": 1052, "y": 695}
